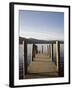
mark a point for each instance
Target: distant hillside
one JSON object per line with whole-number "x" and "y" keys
{"x": 32, "y": 40}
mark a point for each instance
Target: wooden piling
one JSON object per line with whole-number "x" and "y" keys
{"x": 25, "y": 56}
{"x": 51, "y": 51}
{"x": 47, "y": 49}
{"x": 58, "y": 55}
{"x": 33, "y": 51}
{"x": 42, "y": 48}
{"x": 23, "y": 63}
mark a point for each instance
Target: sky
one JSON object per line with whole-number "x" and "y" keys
{"x": 42, "y": 25}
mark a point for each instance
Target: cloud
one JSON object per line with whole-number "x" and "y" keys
{"x": 42, "y": 35}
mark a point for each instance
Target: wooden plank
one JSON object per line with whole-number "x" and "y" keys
{"x": 42, "y": 67}
{"x": 42, "y": 57}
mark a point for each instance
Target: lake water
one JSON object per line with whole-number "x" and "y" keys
{"x": 45, "y": 50}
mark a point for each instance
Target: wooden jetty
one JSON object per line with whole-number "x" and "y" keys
{"x": 42, "y": 64}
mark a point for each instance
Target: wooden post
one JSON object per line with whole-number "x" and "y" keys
{"x": 58, "y": 55}
{"x": 51, "y": 51}
{"x": 42, "y": 48}
{"x": 25, "y": 56}
{"x": 23, "y": 63}
{"x": 33, "y": 51}
{"x": 47, "y": 49}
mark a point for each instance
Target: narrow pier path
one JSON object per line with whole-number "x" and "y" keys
{"x": 42, "y": 65}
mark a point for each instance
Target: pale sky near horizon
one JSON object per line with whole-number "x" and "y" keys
{"x": 41, "y": 25}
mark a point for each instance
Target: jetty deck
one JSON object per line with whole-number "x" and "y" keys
{"x": 42, "y": 63}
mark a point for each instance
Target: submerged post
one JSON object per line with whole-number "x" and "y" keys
{"x": 58, "y": 55}
{"x": 51, "y": 51}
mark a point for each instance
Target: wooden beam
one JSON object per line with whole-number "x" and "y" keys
{"x": 58, "y": 56}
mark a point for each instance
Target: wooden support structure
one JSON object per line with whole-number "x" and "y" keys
{"x": 51, "y": 51}
{"x": 23, "y": 63}
{"x": 42, "y": 48}
{"x": 58, "y": 55}
{"x": 25, "y": 56}
{"x": 33, "y": 51}
{"x": 47, "y": 49}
